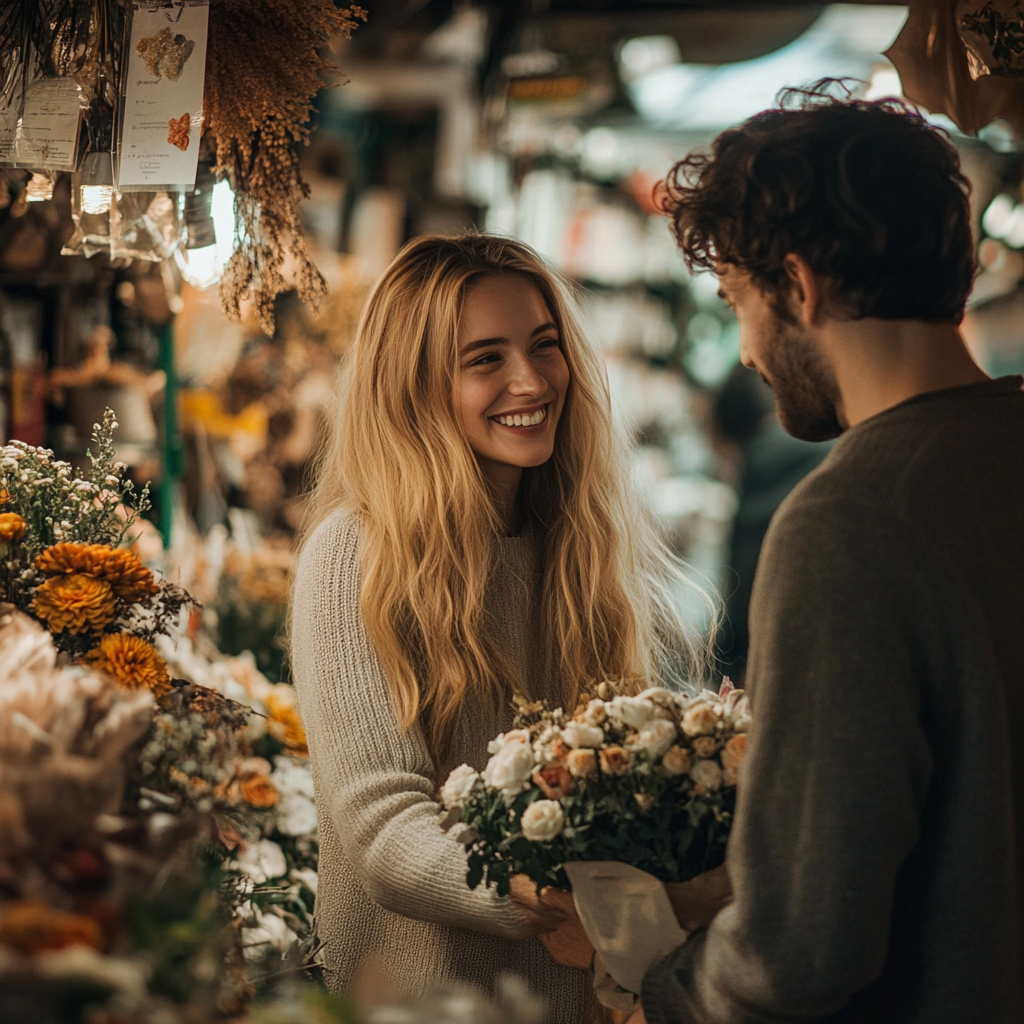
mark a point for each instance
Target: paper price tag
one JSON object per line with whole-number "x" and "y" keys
{"x": 162, "y": 113}
{"x": 47, "y": 134}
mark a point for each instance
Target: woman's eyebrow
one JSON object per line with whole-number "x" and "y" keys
{"x": 484, "y": 342}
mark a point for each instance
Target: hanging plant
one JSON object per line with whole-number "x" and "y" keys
{"x": 263, "y": 69}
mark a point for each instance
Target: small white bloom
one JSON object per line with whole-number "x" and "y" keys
{"x": 307, "y": 876}
{"x": 579, "y": 734}
{"x": 656, "y": 737}
{"x": 296, "y": 815}
{"x": 636, "y": 712}
{"x": 510, "y": 768}
{"x": 455, "y": 792}
{"x": 515, "y": 736}
{"x": 292, "y": 777}
{"x": 700, "y": 719}
{"x": 262, "y": 860}
{"x": 542, "y": 821}
{"x": 707, "y": 774}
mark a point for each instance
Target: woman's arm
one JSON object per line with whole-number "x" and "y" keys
{"x": 375, "y": 781}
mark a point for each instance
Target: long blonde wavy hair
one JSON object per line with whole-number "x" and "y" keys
{"x": 397, "y": 456}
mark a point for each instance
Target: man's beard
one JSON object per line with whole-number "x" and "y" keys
{"x": 806, "y": 392}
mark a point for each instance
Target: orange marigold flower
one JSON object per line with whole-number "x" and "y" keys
{"x": 76, "y": 604}
{"x": 258, "y": 791}
{"x": 132, "y": 662}
{"x": 285, "y": 723}
{"x": 12, "y": 527}
{"x": 31, "y": 927}
{"x": 119, "y": 567}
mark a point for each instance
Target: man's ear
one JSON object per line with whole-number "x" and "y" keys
{"x": 807, "y": 297}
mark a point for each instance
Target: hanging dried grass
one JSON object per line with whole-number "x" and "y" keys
{"x": 263, "y": 69}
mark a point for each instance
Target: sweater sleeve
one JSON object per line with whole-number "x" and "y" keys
{"x": 833, "y": 787}
{"x": 375, "y": 780}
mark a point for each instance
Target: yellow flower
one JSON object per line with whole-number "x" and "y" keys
{"x": 76, "y": 604}
{"x": 121, "y": 568}
{"x": 132, "y": 662}
{"x": 31, "y": 927}
{"x": 12, "y": 527}
{"x": 285, "y": 723}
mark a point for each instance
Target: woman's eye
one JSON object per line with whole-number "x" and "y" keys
{"x": 548, "y": 343}
{"x": 490, "y": 357}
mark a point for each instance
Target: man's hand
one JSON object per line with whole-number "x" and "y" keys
{"x": 637, "y": 1017}
{"x": 558, "y": 925}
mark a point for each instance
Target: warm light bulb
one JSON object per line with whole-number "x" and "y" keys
{"x": 97, "y": 198}
{"x": 200, "y": 267}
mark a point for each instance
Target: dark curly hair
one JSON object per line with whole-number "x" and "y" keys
{"x": 868, "y": 193}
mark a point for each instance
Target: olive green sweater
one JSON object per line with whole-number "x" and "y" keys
{"x": 878, "y": 850}
{"x": 392, "y": 885}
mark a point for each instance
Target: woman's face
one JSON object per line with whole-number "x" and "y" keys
{"x": 511, "y": 379}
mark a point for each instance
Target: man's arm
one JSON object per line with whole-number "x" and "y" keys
{"x": 833, "y": 784}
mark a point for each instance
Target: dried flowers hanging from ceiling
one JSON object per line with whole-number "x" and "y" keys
{"x": 263, "y": 69}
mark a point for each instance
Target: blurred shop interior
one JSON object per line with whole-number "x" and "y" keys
{"x": 549, "y": 121}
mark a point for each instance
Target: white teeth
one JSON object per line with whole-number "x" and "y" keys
{"x": 519, "y": 420}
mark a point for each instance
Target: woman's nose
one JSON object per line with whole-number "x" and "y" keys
{"x": 525, "y": 379}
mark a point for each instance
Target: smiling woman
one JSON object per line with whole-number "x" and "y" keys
{"x": 473, "y": 534}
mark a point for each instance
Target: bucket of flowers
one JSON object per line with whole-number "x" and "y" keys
{"x": 157, "y": 836}
{"x": 628, "y": 802}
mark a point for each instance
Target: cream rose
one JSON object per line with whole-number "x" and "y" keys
{"x": 707, "y": 775}
{"x": 509, "y": 770}
{"x": 636, "y": 712}
{"x": 699, "y": 719}
{"x": 595, "y": 712}
{"x": 579, "y": 734}
{"x": 644, "y": 801}
{"x": 656, "y": 737}
{"x": 676, "y": 761}
{"x": 582, "y": 763}
{"x": 705, "y": 746}
{"x": 455, "y": 792}
{"x": 734, "y": 751}
{"x": 542, "y": 821}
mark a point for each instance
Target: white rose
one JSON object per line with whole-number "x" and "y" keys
{"x": 262, "y": 860}
{"x": 636, "y": 712}
{"x": 579, "y": 734}
{"x": 656, "y": 737}
{"x": 739, "y": 713}
{"x": 511, "y": 767}
{"x": 455, "y": 792}
{"x": 707, "y": 774}
{"x": 596, "y": 712}
{"x": 516, "y": 736}
{"x": 296, "y": 815}
{"x": 542, "y": 821}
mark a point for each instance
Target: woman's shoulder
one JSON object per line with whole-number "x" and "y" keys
{"x": 332, "y": 545}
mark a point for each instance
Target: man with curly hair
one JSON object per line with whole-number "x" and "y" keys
{"x": 877, "y": 856}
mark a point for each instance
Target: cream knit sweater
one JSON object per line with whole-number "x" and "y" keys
{"x": 392, "y": 884}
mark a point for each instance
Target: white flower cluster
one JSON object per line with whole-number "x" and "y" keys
{"x": 699, "y": 740}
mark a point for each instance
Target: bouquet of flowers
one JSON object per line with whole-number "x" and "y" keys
{"x": 649, "y": 780}
{"x": 628, "y": 801}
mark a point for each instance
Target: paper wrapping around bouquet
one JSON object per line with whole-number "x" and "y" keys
{"x": 633, "y": 920}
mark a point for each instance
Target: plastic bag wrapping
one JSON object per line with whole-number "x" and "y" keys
{"x": 940, "y": 73}
{"x": 145, "y": 225}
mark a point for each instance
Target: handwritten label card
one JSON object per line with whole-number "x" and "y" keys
{"x": 48, "y": 128}
{"x": 162, "y": 115}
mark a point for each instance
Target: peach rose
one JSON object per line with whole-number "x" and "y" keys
{"x": 734, "y": 751}
{"x": 700, "y": 719}
{"x": 555, "y": 781}
{"x": 582, "y": 763}
{"x": 705, "y": 746}
{"x": 676, "y": 761}
{"x": 258, "y": 791}
{"x": 615, "y": 760}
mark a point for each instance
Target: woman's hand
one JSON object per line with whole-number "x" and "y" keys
{"x": 558, "y": 925}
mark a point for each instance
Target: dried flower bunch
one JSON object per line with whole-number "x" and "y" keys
{"x": 263, "y": 69}
{"x": 648, "y": 780}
